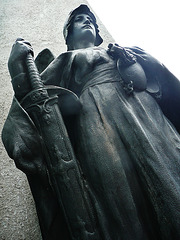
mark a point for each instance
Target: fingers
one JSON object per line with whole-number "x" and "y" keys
{"x": 114, "y": 49}
{"x": 21, "y": 40}
{"x": 27, "y": 44}
{"x": 137, "y": 49}
{"x": 138, "y": 52}
{"x": 114, "y": 46}
{"x": 140, "y": 57}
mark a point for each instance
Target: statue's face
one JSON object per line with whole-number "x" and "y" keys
{"x": 83, "y": 28}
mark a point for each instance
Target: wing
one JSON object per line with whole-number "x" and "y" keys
{"x": 43, "y": 59}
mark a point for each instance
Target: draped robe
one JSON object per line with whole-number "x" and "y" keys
{"x": 127, "y": 145}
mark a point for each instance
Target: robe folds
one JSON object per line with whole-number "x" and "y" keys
{"x": 127, "y": 145}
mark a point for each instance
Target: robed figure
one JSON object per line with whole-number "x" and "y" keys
{"x": 124, "y": 136}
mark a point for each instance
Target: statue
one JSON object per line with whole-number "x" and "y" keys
{"x": 106, "y": 165}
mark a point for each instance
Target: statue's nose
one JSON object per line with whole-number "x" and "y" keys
{"x": 87, "y": 21}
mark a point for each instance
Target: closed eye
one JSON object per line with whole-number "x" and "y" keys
{"x": 90, "y": 19}
{"x": 79, "y": 18}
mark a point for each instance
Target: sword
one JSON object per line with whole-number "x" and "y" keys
{"x": 64, "y": 171}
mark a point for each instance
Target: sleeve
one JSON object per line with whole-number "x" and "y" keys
{"x": 17, "y": 127}
{"x": 23, "y": 145}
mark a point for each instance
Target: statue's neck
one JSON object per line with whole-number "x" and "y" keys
{"x": 83, "y": 44}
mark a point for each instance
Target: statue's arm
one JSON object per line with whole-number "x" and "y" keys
{"x": 169, "y": 85}
{"x": 159, "y": 80}
{"x": 23, "y": 144}
{"x": 17, "y": 67}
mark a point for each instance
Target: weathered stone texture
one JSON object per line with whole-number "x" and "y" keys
{"x": 40, "y": 22}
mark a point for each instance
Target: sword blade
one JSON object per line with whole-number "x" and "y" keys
{"x": 65, "y": 174}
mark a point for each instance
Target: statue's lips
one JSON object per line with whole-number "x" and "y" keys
{"x": 87, "y": 27}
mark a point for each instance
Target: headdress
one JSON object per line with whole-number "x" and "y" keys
{"x": 82, "y": 9}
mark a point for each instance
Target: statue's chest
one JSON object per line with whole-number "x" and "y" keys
{"x": 87, "y": 63}
{"x": 88, "y": 60}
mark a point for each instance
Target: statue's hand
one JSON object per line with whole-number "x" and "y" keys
{"x": 114, "y": 49}
{"x": 146, "y": 60}
{"x": 119, "y": 53}
{"x": 18, "y": 69}
{"x": 17, "y": 59}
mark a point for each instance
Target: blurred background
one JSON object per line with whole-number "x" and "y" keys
{"x": 152, "y": 25}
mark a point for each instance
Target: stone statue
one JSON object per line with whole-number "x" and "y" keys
{"x": 106, "y": 165}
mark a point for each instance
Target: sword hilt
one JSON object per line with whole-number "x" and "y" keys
{"x": 34, "y": 76}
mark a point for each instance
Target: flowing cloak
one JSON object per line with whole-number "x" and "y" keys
{"x": 128, "y": 145}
